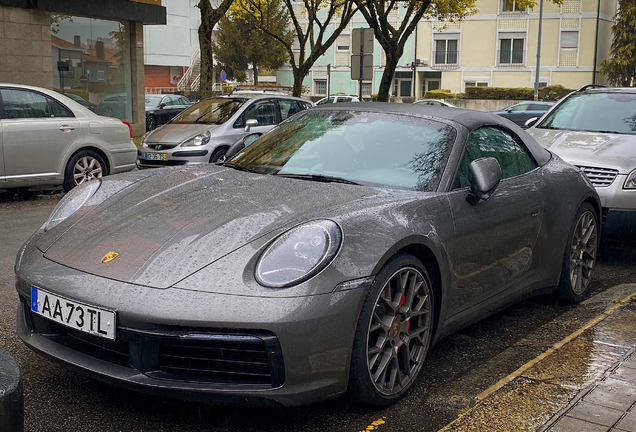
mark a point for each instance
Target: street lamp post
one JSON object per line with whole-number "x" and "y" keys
{"x": 538, "y": 72}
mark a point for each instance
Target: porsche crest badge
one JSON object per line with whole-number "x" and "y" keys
{"x": 110, "y": 256}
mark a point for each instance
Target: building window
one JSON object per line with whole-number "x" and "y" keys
{"x": 342, "y": 51}
{"x": 511, "y": 51}
{"x": 446, "y": 51}
{"x": 510, "y": 6}
{"x": 569, "y": 39}
{"x": 367, "y": 88}
{"x": 476, "y": 84}
{"x": 320, "y": 87}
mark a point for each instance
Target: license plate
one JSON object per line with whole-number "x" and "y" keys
{"x": 156, "y": 156}
{"x": 77, "y": 315}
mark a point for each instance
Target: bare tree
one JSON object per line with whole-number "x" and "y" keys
{"x": 209, "y": 18}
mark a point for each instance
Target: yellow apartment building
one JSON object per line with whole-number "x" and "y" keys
{"x": 497, "y": 47}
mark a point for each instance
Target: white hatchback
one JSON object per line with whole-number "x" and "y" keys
{"x": 49, "y": 139}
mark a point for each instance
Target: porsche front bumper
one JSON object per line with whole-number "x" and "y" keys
{"x": 305, "y": 342}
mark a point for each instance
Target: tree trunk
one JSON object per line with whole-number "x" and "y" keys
{"x": 205, "y": 45}
{"x": 299, "y": 76}
{"x": 255, "y": 69}
{"x": 387, "y": 77}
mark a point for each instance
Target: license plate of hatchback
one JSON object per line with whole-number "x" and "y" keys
{"x": 156, "y": 156}
{"x": 70, "y": 313}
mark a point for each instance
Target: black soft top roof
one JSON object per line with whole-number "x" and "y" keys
{"x": 468, "y": 119}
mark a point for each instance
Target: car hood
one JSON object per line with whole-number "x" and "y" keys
{"x": 175, "y": 133}
{"x": 167, "y": 227}
{"x": 593, "y": 149}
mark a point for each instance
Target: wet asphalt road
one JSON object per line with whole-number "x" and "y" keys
{"x": 457, "y": 369}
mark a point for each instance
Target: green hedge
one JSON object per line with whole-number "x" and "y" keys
{"x": 442, "y": 94}
{"x": 548, "y": 93}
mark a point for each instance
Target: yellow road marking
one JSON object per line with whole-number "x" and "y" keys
{"x": 591, "y": 323}
{"x": 376, "y": 424}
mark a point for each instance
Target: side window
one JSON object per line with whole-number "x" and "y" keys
{"x": 184, "y": 101}
{"x": 326, "y": 101}
{"x": 342, "y": 99}
{"x": 489, "y": 141}
{"x": 538, "y": 107}
{"x": 168, "y": 100}
{"x": 288, "y": 108}
{"x": 264, "y": 112}
{"x": 520, "y": 107}
{"x": 24, "y": 104}
{"x": 58, "y": 110}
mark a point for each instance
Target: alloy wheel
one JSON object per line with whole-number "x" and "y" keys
{"x": 583, "y": 252}
{"x": 399, "y": 331}
{"x": 151, "y": 123}
{"x": 87, "y": 168}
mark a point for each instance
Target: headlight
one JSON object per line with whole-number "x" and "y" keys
{"x": 630, "y": 183}
{"x": 199, "y": 140}
{"x": 299, "y": 254}
{"x": 71, "y": 202}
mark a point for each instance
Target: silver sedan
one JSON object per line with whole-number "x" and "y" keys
{"x": 49, "y": 139}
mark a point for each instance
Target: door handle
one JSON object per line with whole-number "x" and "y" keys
{"x": 66, "y": 128}
{"x": 534, "y": 210}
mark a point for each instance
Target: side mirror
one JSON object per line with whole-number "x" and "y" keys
{"x": 531, "y": 122}
{"x": 162, "y": 105}
{"x": 250, "y": 123}
{"x": 484, "y": 175}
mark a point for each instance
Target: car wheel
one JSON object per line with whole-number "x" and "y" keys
{"x": 83, "y": 166}
{"x": 580, "y": 256}
{"x": 393, "y": 333}
{"x": 151, "y": 123}
{"x": 217, "y": 155}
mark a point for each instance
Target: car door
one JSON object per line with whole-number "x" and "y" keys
{"x": 494, "y": 239}
{"x": 163, "y": 112}
{"x": 265, "y": 112}
{"x": 2, "y": 172}
{"x": 36, "y": 134}
{"x": 517, "y": 113}
{"x": 175, "y": 106}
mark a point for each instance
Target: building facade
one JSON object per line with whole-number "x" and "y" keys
{"x": 497, "y": 47}
{"x": 91, "y": 49}
{"x": 168, "y": 49}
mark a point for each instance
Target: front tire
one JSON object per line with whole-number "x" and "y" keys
{"x": 393, "y": 334}
{"x": 151, "y": 123}
{"x": 218, "y": 154}
{"x": 83, "y": 166}
{"x": 580, "y": 256}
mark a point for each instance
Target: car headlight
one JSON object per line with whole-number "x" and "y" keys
{"x": 72, "y": 201}
{"x": 299, "y": 254}
{"x": 630, "y": 183}
{"x": 199, "y": 140}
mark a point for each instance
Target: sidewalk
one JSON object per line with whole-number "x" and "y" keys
{"x": 585, "y": 383}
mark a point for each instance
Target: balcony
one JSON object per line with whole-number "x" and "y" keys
{"x": 445, "y": 60}
{"x": 511, "y": 59}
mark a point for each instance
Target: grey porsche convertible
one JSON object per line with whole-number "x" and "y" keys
{"x": 328, "y": 257}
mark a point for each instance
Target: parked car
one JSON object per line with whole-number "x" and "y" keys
{"x": 160, "y": 109}
{"x": 312, "y": 263}
{"x": 521, "y": 112}
{"x": 338, "y": 99}
{"x": 80, "y": 100}
{"x": 595, "y": 129}
{"x": 113, "y": 105}
{"x": 206, "y": 130}
{"x": 434, "y": 102}
{"x": 49, "y": 139}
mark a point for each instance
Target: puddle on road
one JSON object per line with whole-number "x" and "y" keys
{"x": 529, "y": 401}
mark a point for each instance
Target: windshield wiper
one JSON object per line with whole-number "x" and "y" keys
{"x": 318, "y": 178}
{"x": 239, "y": 168}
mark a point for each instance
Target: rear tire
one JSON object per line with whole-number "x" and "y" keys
{"x": 579, "y": 260}
{"x": 83, "y": 166}
{"x": 393, "y": 334}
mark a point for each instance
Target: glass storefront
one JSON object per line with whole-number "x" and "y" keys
{"x": 91, "y": 63}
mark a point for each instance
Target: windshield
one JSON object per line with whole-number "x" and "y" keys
{"x": 361, "y": 147}
{"x": 153, "y": 100}
{"x": 210, "y": 111}
{"x": 595, "y": 112}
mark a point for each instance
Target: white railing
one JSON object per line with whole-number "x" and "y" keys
{"x": 187, "y": 76}
{"x": 194, "y": 86}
